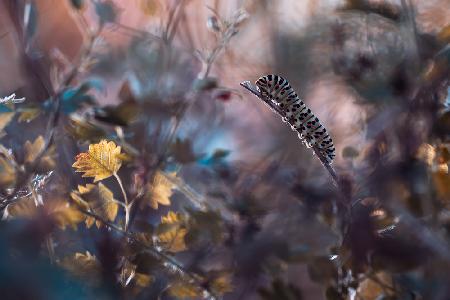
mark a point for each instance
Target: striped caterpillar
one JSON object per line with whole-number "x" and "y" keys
{"x": 298, "y": 115}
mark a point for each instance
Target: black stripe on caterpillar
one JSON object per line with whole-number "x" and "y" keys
{"x": 297, "y": 114}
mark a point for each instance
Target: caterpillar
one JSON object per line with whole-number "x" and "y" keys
{"x": 297, "y": 114}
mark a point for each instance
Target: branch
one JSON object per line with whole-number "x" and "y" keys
{"x": 125, "y": 199}
{"x": 247, "y": 85}
{"x": 169, "y": 262}
{"x": 52, "y": 123}
{"x": 428, "y": 237}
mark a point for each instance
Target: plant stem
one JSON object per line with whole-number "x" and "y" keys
{"x": 125, "y": 198}
{"x": 169, "y": 262}
{"x": 51, "y": 126}
{"x": 192, "y": 195}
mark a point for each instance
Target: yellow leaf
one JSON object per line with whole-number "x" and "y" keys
{"x": 58, "y": 210}
{"x": 171, "y": 232}
{"x": 160, "y": 190}
{"x": 24, "y": 208}
{"x": 173, "y": 240}
{"x": 222, "y": 284}
{"x": 101, "y": 161}
{"x": 33, "y": 150}
{"x": 66, "y": 215}
{"x": 143, "y": 280}
{"x": 184, "y": 290}
{"x": 444, "y": 34}
{"x": 84, "y": 266}
{"x": 84, "y": 130}
{"x": 8, "y": 174}
{"x": 426, "y": 153}
{"x": 5, "y": 118}
{"x": 99, "y": 199}
{"x": 29, "y": 114}
{"x": 441, "y": 180}
{"x": 370, "y": 289}
{"x": 172, "y": 218}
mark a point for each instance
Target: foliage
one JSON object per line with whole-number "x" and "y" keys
{"x": 101, "y": 161}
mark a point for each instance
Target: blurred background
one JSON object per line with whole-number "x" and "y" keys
{"x": 225, "y": 201}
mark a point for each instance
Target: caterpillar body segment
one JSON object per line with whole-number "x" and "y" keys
{"x": 297, "y": 114}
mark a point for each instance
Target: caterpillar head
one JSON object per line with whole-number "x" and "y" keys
{"x": 262, "y": 85}
{"x": 273, "y": 87}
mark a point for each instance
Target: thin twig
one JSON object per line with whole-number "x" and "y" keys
{"x": 172, "y": 21}
{"x": 193, "y": 278}
{"x": 125, "y": 198}
{"x": 25, "y": 177}
{"x": 192, "y": 195}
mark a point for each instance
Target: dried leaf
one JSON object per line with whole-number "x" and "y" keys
{"x": 84, "y": 130}
{"x": 25, "y": 208}
{"x": 121, "y": 115}
{"x": 371, "y": 289}
{"x": 84, "y": 266}
{"x": 58, "y": 210}
{"x": 33, "y": 150}
{"x": 101, "y": 161}
{"x": 426, "y": 153}
{"x": 173, "y": 240}
{"x": 5, "y": 118}
{"x": 441, "y": 180}
{"x": 444, "y": 34}
{"x": 171, "y": 232}
{"x": 160, "y": 190}
{"x": 28, "y": 114}
{"x": 8, "y": 174}
{"x": 184, "y": 290}
{"x": 65, "y": 215}
{"x": 143, "y": 280}
{"x": 172, "y": 218}
{"x": 99, "y": 199}
{"x": 221, "y": 284}
{"x": 444, "y": 154}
